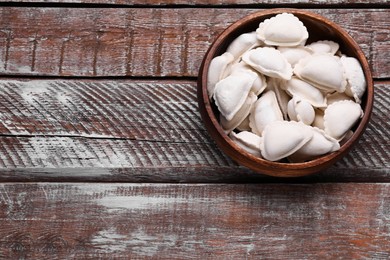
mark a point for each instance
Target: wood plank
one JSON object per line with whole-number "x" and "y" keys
{"x": 141, "y": 131}
{"x": 146, "y": 41}
{"x": 223, "y": 3}
{"x": 118, "y": 221}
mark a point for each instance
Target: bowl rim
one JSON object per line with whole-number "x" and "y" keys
{"x": 256, "y": 163}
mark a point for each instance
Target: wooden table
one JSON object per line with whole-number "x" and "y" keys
{"x": 103, "y": 153}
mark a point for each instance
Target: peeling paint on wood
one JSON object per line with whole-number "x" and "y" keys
{"x": 117, "y": 203}
{"x": 183, "y": 221}
{"x": 124, "y": 127}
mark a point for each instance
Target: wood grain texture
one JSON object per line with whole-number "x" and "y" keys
{"x": 146, "y": 41}
{"x": 140, "y": 131}
{"x": 216, "y": 3}
{"x": 165, "y": 221}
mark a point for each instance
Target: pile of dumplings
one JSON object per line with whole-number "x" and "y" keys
{"x": 279, "y": 97}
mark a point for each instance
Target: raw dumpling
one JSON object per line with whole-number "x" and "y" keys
{"x": 282, "y": 30}
{"x": 319, "y": 144}
{"x": 297, "y": 87}
{"x": 283, "y": 138}
{"x": 260, "y": 82}
{"x": 242, "y": 113}
{"x": 243, "y": 43}
{"x": 231, "y": 93}
{"x": 340, "y": 117}
{"x": 295, "y": 54}
{"x": 248, "y": 141}
{"x": 268, "y": 61}
{"x": 265, "y": 111}
{"x": 301, "y": 110}
{"x": 330, "y": 47}
{"x": 217, "y": 69}
{"x": 325, "y": 71}
{"x": 355, "y": 76}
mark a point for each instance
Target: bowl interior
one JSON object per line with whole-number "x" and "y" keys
{"x": 319, "y": 28}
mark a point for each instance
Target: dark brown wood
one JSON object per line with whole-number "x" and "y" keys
{"x": 146, "y": 41}
{"x": 141, "y": 131}
{"x": 163, "y": 3}
{"x": 163, "y": 221}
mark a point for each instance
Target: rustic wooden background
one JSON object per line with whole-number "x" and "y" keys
{"x": 103, "y": 153}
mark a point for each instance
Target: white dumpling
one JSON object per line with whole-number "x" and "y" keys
{"x": 282, "y": 30}
{"x": 283, "y": 138}
{"x": 269, "y": 61}
{"x": 231, "y": 93}
{"x": 355, "y": 76}
{"x": 318, "y": 145}
{"x": 283, "y": 98}
{"x": 325, "y": 71}
{"x": 259, "y": 84}
{"x": 340, "y": 117}
{"x": 243, "y": 43}
{"x": 265, "y": 111}
{"x": 318, "y": 119}
{"x": 336, "y": 96}
{"x": 325, "y": 46}
{"x": 217, "y": 68}
{"x": 301, "y": 110}
{"x": 297, "y": 87}
{"x": 295, "y": 54}
{"x": 242, "y": 113}
{"x": 248, "y": 141}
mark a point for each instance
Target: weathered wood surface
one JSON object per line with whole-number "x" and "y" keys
{"x": 112, "y": 129}
{"x": 145, "y": 42}
{"x": 140, "y": 131}
{"x": 163, "y": 221}
{"x": 214, "y": 3}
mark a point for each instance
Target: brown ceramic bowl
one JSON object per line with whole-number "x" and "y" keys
{"x": 319, "y": 28}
